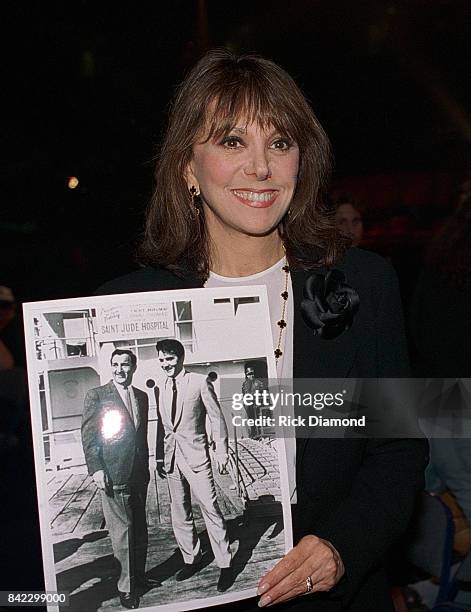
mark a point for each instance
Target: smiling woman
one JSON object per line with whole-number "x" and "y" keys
{"x": 238, "y": 200}
{"x": 246, "y": 180}
{"x": 243, "y": 140}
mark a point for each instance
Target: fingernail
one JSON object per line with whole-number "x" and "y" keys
{"x": 264, "y": 601}
{"x": 263, "y": 588}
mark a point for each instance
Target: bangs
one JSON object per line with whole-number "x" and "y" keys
{"x": 243, "y": 103}
{"x": 224, "y": 91}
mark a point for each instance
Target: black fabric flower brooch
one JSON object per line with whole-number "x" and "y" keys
{"x": 329, "y": 304}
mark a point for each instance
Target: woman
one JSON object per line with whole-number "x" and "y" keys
{"x": 238, "y": 196}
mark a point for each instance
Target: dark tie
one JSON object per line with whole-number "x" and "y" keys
{"x": 174, "y": 399}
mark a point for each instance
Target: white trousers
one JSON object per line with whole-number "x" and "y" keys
{"x": 182, "y": 484}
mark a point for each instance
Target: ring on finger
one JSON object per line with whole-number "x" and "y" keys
{"x": 309, "y": 584}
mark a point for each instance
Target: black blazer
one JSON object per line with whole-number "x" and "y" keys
{"x": 358, "y": 494}
{"x": 124, "y": 457}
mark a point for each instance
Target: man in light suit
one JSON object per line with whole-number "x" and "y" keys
{"x": 114, "y": 439}
{"x": 182, "y": 456}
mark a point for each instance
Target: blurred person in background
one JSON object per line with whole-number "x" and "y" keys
{"x": 440, "y": 312}
{"x": 13, "y": 385}
{"x": 19, "y": 509}
{"x": 349, "y": 218}
{"x": 441, "y": 330}
{"x": 7, "y": 315}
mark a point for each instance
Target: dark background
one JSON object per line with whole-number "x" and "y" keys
{"x": 86, "y": 85}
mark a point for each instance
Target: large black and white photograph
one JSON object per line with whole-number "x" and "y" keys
{"x": 151, "y": 495}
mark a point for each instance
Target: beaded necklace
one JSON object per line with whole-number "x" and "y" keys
{"x": 282, "y": 322}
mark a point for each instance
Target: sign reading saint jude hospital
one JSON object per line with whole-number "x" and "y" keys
{"x": 135, "y": 321}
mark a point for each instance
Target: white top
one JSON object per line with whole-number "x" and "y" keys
{"x": 274, "y": 279}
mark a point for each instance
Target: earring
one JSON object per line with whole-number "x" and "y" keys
{"x": 194, "y": 193}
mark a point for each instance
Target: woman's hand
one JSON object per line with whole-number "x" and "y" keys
{"x": 311, "y": 557}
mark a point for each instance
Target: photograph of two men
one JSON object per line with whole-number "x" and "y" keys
{"x": 149, "y": 496}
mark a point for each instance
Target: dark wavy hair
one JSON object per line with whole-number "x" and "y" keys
{"x": 170, "y": 345}
{"x": 218, "y": 91}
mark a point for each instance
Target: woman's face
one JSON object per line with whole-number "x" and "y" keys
{"x": 246, "y": 179}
